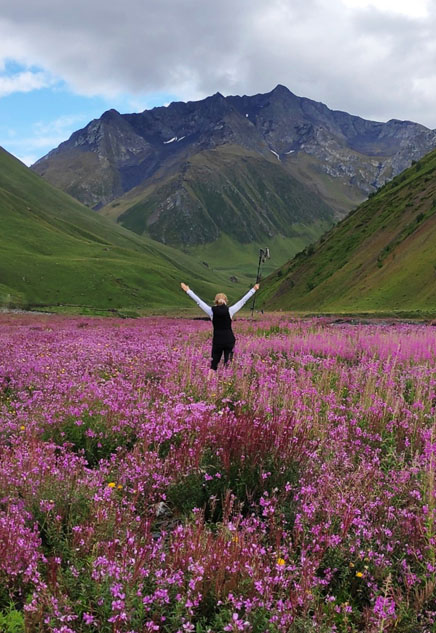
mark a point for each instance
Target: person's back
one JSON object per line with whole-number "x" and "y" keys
{"x": 221, "y": 315}
{"x": 221, "y": 320}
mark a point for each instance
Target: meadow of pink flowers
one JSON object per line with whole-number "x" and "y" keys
{"x": 293, "y": 492}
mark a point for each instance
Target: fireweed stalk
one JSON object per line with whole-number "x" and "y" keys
{"x": 295, "y": 491}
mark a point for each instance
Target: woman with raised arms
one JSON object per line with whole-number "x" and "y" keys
{"x": 221, "y": 315}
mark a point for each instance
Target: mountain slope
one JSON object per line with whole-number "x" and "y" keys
{"x": 226, "y": 190}
{"x": 55, "y": 251}
{"x": 381, "y": 257}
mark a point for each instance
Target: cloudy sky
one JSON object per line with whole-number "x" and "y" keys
{"x": 63, "y": 64}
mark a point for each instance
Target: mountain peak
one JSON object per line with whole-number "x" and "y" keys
{"x": 110, "y": 115}
{"x": 215, "y": 105}
{"x": 280, "y": 89}
{"x": 216, "y": 97}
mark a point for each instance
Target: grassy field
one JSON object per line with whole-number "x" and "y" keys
{"x": 231, "y": 258}
{"x": 55, "y": 252}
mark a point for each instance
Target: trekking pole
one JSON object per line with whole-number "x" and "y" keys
{"x": 263, "y": 255}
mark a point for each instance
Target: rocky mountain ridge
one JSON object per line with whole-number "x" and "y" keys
{"x": 122, "y": 160}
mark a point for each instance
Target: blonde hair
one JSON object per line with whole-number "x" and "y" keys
{"x": 220, "y": 299}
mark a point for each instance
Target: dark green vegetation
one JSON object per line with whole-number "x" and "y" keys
{"x": 222, "y": 191}
{"x": 381, "y": 257}
{"x": 55, "y": 252}
{"x": 12, "y": 621}
{"x": 228, "y": 203}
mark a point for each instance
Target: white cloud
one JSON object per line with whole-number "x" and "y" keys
{"x": 43, "y": 137}
{"x": 58, "y": 128}
{"x": 416, "y": 9}
{"x": 25, "y": 81}
{"x": 28, "y": 159}
{"x": 376, "y": 58}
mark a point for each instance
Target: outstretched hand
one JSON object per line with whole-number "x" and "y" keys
{"x": 184, "y": 287}
{"x": 256, "y": 286}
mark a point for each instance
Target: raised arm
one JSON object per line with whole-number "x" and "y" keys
{"x": 237, "y": 306}
{"x": 201, "y": 304}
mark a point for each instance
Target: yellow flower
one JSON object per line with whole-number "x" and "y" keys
{"x": 111, "y": 484}
{"x": 119, "y": 487}
{"x": 359, "y": 574}
{"x": 280, "y": 561}
{"x": 22, "y": 427}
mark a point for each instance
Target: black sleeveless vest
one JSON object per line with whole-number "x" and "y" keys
{"x": 222, "y": 326}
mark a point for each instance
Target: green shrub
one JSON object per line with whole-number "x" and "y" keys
{"x": 244, "y": 480}
{"x": 93, "y": 436}
{"x": 11, "y": 621}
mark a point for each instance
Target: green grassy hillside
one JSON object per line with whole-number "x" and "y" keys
{"x": 54, "y": 251}
{"x": 381, "y": 257}
{"x": 227, "y": 203}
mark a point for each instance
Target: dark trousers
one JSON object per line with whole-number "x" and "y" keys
{"x": 217, "y": 352}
